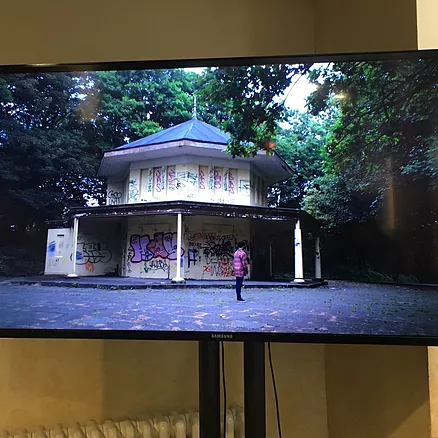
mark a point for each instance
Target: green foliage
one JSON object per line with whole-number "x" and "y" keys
{"x": 127, "y": 105}
{"x": 302, "y": 147}
{"x": 248, "y": 103}
{"x": 386, "y": 126}
{"x": 383, "y": 139}
{"x": 46, "y": 162}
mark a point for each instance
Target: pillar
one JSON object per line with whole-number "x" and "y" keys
{"x": 178, "y": 278}
{"x": 298, "y": 246}
{"x": 318, "y": 275}
{"x": 75, "y": 246}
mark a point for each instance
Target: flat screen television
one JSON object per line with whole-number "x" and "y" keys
{"x": 137, "y": 197}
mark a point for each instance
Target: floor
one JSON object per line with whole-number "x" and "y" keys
{"x": 337, "y": 308}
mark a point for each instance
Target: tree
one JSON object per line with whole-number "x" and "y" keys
{"x": 301, "y": 146}
{"x": 250, "y": 103}
{"x": 381, "y": 153}
{"x": 387, "y": 124}
{"x": 126, "y": 105}
{"x": 46, "y": 163}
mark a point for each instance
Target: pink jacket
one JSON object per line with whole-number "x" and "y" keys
{"x": 240, "y": 263}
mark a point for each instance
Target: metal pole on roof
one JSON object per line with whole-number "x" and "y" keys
{"x": 194, "y": 106}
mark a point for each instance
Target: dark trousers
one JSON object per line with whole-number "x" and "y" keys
{"x": 239, "y": 282}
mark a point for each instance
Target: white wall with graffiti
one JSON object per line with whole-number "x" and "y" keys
{"x": 146, "y": 247}
{"x": 99, "y": 250}
{"x": 204, "y": 183}
{"x": 207, "y": 247}
{"x": 116, "y": 193}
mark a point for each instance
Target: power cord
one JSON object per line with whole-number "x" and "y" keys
{"x": 275, "y": 390}
{"x": 224, "y": 388}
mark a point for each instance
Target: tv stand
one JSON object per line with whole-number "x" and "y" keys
{"x": 254, "y": 389}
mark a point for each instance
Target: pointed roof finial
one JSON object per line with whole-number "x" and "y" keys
{"x": 194, "y": 106}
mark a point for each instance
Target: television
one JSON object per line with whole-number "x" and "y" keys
{"x": 290, "y": 199}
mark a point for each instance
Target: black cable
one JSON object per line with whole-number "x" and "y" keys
{"x": 275, "y": 390}
{"x": 224, "y": 388}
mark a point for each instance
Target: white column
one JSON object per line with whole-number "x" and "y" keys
{"x": 75, "y": 247}
{"x": 178, "y": 278}
{"x": 298, "y": 246}
{"x": 318, "y": 275}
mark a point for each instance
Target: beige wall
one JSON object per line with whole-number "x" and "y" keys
{"x": 427, "y": 13}
{"x": 377, "y": 391}
{"x": 87, "y": 31}
{"x": 364, "y": 25}
{"x": 433, "y": 389}
{"x": 48, "y": 381}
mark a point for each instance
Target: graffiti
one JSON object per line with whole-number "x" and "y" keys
{"x": 150, "y": 180}
{"x": 193, "y": 257}
{"x": 217, "y": 179}
{"x": 231, "y": 186}
{"x": 129, "y": 256}
{"x": 201, "y": 180}
{"x": 180, "y": 179}
{"x": 223, "y": 267}
{"x": 192, "y": 178}
{"x": 133, "y": 191}
{"x": 183, "y": 179}
{"x": 218, "y": 246}
{"x": 114, "y": 198}
{"x": 89, "y": 266}
{"x": 171, "y": 178}
{"x": 163, "y": 178}
{"x": 158, "y": 180}
{"x": 245, "y": 186}
{"x": 163, "y": 245}
{"x": 51, "y": 249}
{"x": 93, "y": 253}
{"x": 211, "y": 178}
{"x": 226, "y": 179}
{"x": 214, "y": 251}
{"x": 53, "y": 262}
{"x": 157, "y": 265}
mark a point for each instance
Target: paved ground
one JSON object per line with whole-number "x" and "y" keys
{"x": 109, "y": 282}
{"x": 339, "y": 308}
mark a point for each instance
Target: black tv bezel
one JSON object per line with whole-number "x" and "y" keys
{"x": 165, "y": 335}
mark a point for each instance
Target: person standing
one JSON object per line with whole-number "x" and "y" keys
{"x": 240, "y": 265}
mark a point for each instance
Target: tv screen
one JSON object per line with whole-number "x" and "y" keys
{"x": 291, "y": 199}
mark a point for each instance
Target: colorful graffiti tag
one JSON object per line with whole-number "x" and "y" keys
{"x": 51, "y": 249}
{"x": 231, "y": 185}
{"x": 91, "y": 253}
{"x": 201, "y": 180}
{"x": 163, "y": 245}
{"x": 134, "y": 192}
{"x": 214, "y": 252}
{"x": 217, "y": 179}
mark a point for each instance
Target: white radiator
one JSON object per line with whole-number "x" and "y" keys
{"x": 173, "y": 426}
